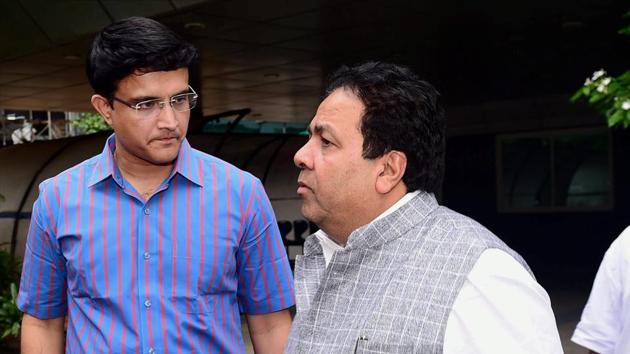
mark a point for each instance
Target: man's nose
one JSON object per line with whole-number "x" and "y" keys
{"x": 167, "y": 118}
{"x": 300, "y": 157}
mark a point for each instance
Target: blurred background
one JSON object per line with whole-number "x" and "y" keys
{"x": 546, "y": 174}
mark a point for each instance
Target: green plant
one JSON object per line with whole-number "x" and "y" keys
{"x": 9, "y": 270}
{"x": 609, "y": 95}
{"x": 90, "y": 123}
{"x": 10, "y": 314}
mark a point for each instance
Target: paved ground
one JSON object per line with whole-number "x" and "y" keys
{"x": 567, "y": 306}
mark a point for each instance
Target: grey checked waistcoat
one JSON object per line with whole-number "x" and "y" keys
{"x": 391, "y": 289}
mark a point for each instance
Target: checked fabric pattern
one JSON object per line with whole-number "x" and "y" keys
{"x": 391, "y": 289}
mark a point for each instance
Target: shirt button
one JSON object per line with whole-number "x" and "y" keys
{"x": 147, "y": 255}
{"x": 147, "y": 211}
{"x": 151, "y": 351}
{"x": 147, "y": 303}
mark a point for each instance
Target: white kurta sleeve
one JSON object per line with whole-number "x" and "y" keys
{"x": 501, "y": 309}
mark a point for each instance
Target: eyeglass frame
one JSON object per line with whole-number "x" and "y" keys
{"x": 161, "y": 102}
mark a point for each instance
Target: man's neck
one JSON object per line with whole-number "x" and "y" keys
{"x": 342, "y": 231}
{"x": 144, "y": 176}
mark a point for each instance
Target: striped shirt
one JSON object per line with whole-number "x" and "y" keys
{"x": 163, "y": 275}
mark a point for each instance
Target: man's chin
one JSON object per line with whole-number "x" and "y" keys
{"x": 308, "y": 213}
{"x": 162, "y": 160}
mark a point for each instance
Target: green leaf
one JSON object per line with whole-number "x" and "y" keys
{"x": 596, "y": 98}
{"x": 615, "y": 118}
{"x": 577, "y": 95}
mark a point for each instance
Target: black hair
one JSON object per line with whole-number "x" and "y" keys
{"x": 401, "y": 113}
{"x": 135, "y": 44}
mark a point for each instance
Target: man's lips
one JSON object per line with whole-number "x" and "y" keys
{"x": 167, "y": 139}
{"x": 303, "y": 188}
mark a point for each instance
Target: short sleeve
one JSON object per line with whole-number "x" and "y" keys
{"x": 600, "y": 326}
{"x": 43, "y": 283}
{"x": 265, "y": 277}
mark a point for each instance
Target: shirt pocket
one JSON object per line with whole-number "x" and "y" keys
{"x": 79, "y": 281}
{"x": 189, "y": 292}
{"x": 200, "y": 304}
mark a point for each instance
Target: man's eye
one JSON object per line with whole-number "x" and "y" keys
{"x": 326, "y": 142}
{"x": 179, "y": 99}
{"x": 146, "y": 105}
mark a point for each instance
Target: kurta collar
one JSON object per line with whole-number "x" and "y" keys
{"x": 385, "y": 228}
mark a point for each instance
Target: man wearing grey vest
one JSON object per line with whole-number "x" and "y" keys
{"x": 390, "y": 270}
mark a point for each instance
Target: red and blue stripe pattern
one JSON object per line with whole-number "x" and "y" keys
{"x": 166, "y": 275}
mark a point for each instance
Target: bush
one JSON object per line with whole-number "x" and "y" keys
{"x": 10, "y": 315}
{"x": 90, "y": 123}
{"x": 610, "y": 95}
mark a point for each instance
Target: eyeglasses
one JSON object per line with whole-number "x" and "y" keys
{"x": 182, "y": 102}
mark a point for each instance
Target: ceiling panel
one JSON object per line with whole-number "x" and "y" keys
{"x": 268, "y": 74}
{"x": 13, "y": 91}
{"x": 80, "y": 17}
{"x": 237, "y": 94}
{"x": 184, "y": 3}
{"x": 263, "y": 33}
{"x": 284, "y": 88}
{"x": 309, "y": 43}
{"x": 226, "y": 84}
{"x": 23, "y": 102}
{"x": 266, "y": 56}
{"x": 50, "y": 82}
{"x": 81, "y": 92}
{"x": 215, "y": 49}
{"x": 120, "y": 9}
{"x": 305, "y": 20}
{"x": 272, "y": 56}
{"x": 305, "y": 101}
{"x": 64, "y": 55}
{"x": 9, "y": 77}
{"x": 198, "y": 23}
{"x": 72, "y": 105}
{"x": 16, "y": 26}
{"x": 261, "y": 11}
{"x": 211, "y": 68}
{"x": 27, "y": 67}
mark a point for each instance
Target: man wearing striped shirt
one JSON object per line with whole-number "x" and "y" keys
{"x": 151, "y": 246}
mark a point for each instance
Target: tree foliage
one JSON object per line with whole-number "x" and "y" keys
{"x": 90, "y": 123}
{"x": 610, "y": 95}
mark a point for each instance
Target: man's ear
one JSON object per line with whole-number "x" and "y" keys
{"x": 102, "y": 106}
{"x": 392, "y": 170}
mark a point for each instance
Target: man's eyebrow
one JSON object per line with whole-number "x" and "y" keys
{"x": 143, "y": 98}
{"x": 320, "y": 128}
{"x": 147, "y": 98}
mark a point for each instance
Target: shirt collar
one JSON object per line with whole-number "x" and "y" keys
{"x": 186, "y": 165}
{"x": 329, "y": 246}
{"x": 106, "y": 166}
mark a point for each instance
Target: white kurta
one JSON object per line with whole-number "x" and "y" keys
{"x": 499, "y": 309}
{"x": 605, "y": 324}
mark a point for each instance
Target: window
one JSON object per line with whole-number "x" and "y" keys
{"x": 554, "y": 171}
